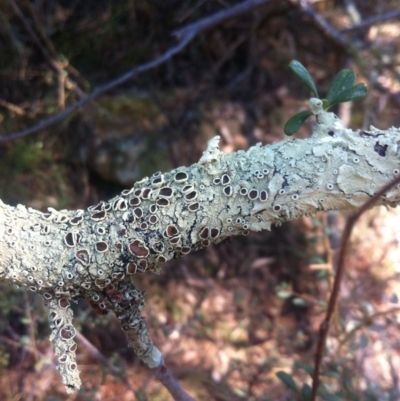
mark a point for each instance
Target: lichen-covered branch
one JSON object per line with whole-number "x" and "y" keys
{"x": 127, "y": 302}
{"x": 94, "y": 253}
{"x": 62, "y": 337}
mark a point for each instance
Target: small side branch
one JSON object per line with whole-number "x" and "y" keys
{"x": 62, "y": 337}
{"x": 372, "y": 20}
{"x": 49, "y": 54}
{"x": 322, "y": 25}
{"x": 127, "y": 302}
{"x": 164, "y": 376}
{"x": 112, "y": 368}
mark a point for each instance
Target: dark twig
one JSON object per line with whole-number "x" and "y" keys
{"x": 324, "y": 327}
{"x": 323, "y": 26}
{"x": 366, "y": 322}
{"x": 218, "y": 18}
{"x": 372, "y": 20}
{"x": 163, "y": 374}
{"x": 185, "y": 34}
{"x": 51, "y": 59}
{"x": 12, "y": 107}
{"x": 99, "y": 356}
{"x": 33, "y": 36}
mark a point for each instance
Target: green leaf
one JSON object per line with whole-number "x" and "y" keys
{"x": 331, "y": 397}
{"x": 355, "y": 92}
{"x": 299, "y": 302}
{"x": 306, "y": 392}
{"x": 41, "y": 362}
{"x": 25, "y": 340}
{"x": 295, "y": 122}
{"x": 282, "y": 294}
{"x": 305, "y": 366}
{"x": 348, "y": 383}
{"x": 330, "y": 373}
{"x": 322, "y": 391}
{"x": 343, "y": 80}
{"x": 325, "y": 104}
{"x": 288, "y": 380}
{"x": 303, "y": 75}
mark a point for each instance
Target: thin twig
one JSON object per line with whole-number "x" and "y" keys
{"x": 99, "y": 356}
{"x": 63, "y": 77}
{"x": 33, "y": 36}
{"x": 324, "y": 327}
{"x": 31, "y": 326}
{"x": 185, "y": 34}
{"x": 372, "y": 20}
{"x": 324, "y": 27}
{"x": 218, "y": 18}
{"x": 17, "y": 342}
{"x": 12, "y": 107}
{"x": 366, "y": 322}
{"x": 163, "y": 374}
{"x": 51, "y": 59}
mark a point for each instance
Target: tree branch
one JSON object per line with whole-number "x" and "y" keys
{"x": 94, "y": 254}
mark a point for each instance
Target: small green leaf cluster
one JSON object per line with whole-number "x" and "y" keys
{"x": 346, "y": 380}
{"x": 342, "y": 90}
{"x": 304, "y": 392}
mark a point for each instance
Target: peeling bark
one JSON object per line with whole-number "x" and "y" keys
{"x": 94, "y": 253}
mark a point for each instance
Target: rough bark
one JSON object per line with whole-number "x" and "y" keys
{"x": 94, "y": 253}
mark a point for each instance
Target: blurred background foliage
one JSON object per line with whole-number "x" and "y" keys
{"x": 230, "y": 317}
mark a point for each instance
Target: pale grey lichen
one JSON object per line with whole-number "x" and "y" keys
{"x": 93, "y": 254}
